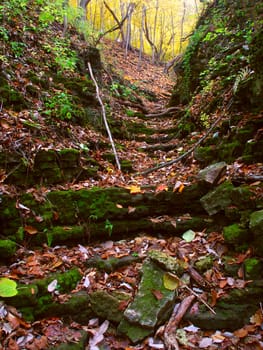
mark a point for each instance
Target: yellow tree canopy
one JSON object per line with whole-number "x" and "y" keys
{"x": 161, "y": 26}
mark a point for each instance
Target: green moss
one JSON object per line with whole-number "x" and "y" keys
{"x": 230, "y": 151}
{"x": 206, "y": 154}
{"x": 66, "y": 281}
{"x": 253, "y": 268}
{"x": 234, "y": 234}
{"x": 27, "y": 296}
{"x": 106, "y": 306}
{"x": 59, "y": 234}
{"x": 7, "y": 248}
{"x": 205, "y": 263}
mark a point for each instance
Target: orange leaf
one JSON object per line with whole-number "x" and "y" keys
{"x": 161, "y": 188}
{"x": 214, "y": 297}
{"x": 223, "y": 283}
{"x": 181, "y": 188}
{"x": 158, "y": 295}
{"x": 31, "y": 230}
{"x": 241, "y": 333}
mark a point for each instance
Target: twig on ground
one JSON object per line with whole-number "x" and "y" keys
{"x": 184, "y": 155}
{"x": 177, "y": 315}
{"x": 164, "y": 113}
{"x": 104, "y": 117}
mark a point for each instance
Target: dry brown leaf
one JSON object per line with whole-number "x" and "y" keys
{"x": 158, "y": 295}
{"x": 30, "y": 230}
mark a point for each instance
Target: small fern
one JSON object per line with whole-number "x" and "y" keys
{"x": 243, "y": 76}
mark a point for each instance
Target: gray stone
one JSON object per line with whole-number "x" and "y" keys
{"x": 218, "y": 199}
{"x": 106, "y": 305}
{"x": 147, "y": 311}
{"x": 212, "y": 173}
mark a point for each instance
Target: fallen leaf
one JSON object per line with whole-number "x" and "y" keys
{"x": 189, "y": 236}
{"x": 119, "y": 206}
{"x": 30, "y": 230}
{"x": 135, "y": 189}
{"x": 158, "y": 295}
{"x": 131, "y": 209}
{"x": 205, "y": 343}
{"x": 52, "y": 286}
{"x": 177, "y": 186}
{"x": 170, "y": 281}
{"x": 161, "y": 188}
{"x": 241, "y": 333}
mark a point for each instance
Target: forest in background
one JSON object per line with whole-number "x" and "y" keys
{"x": 158, "y": 28}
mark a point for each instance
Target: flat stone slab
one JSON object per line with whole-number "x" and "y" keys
{"x": 151, "y": 306}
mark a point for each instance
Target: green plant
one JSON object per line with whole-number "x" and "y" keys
{"x": 242, "y": 77}
{"x": 59, "y": 106}
{"x": 108, "y": 227}
{"x": 65, "y": 58}
{"x": 52, "y": 11}
{"x": 4, "y": 33}
{"x": 119, "y": 90}
{"x": 204, "y": 118}
{"x": 17, "y": 48}
{"x": 8, "y": 288}
{"x": 13, "y": 8}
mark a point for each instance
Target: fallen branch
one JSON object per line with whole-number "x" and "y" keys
{"x": 184, "y": 155}
{"x": 163, "y": 113}
{"x": 104, "y": 117}
{"x": 170, "y": 340}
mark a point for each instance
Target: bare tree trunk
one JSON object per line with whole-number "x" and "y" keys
{"x": 148, "y": 37}
{"x": 130, "y": 9}
{"x": 155, "y": 26}
{"x": 83, "y": 4}
{"x": 182, "y": 28}
{"x": 141, "y": 35}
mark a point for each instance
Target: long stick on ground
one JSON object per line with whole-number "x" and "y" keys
{"x": 184, "y": 155}
{"x": 104, "y": 117}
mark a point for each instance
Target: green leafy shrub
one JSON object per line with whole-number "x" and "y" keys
{"x": 17, "y": 48}
{"x": 59, "y": 106}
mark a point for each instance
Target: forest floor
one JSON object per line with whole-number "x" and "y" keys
{"x": 18, "y": 334}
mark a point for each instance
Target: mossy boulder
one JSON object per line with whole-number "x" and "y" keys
{"x": 108, "y": 306}
{"x": 256, "y": 228}
{"x": 253, "y": 268}
{"x": 256, "y": 222}
{"x": 235, "y": 235}
{"x": 147, "y": 311}
{"x": 218, "y": 199}
{"x": 204, "y": 263}
{"x": 7, "y": 248}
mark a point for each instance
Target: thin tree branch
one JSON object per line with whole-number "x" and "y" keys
{"x": 104, "y": 117}
{"x": 177, "y": 315}
{"x": 184, "y": 155}
{"x": 164, "y": 113}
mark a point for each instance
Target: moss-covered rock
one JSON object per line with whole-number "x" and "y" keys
{"x": 7, "y": 248}
{"x": 218, "y": 199}
{"x": 107, "y": 306}
{"x": 204, "y": 263}
{"x": 253, "y": 268}
{"x": 146, "y": 310}
{"x": 236, "y": 235}
{"x": 256, "y": 222}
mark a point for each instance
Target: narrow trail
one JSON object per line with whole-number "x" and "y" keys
{"x": 157, "y": 140}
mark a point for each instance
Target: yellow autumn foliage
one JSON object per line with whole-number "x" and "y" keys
{"x": 169, "y": 22}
